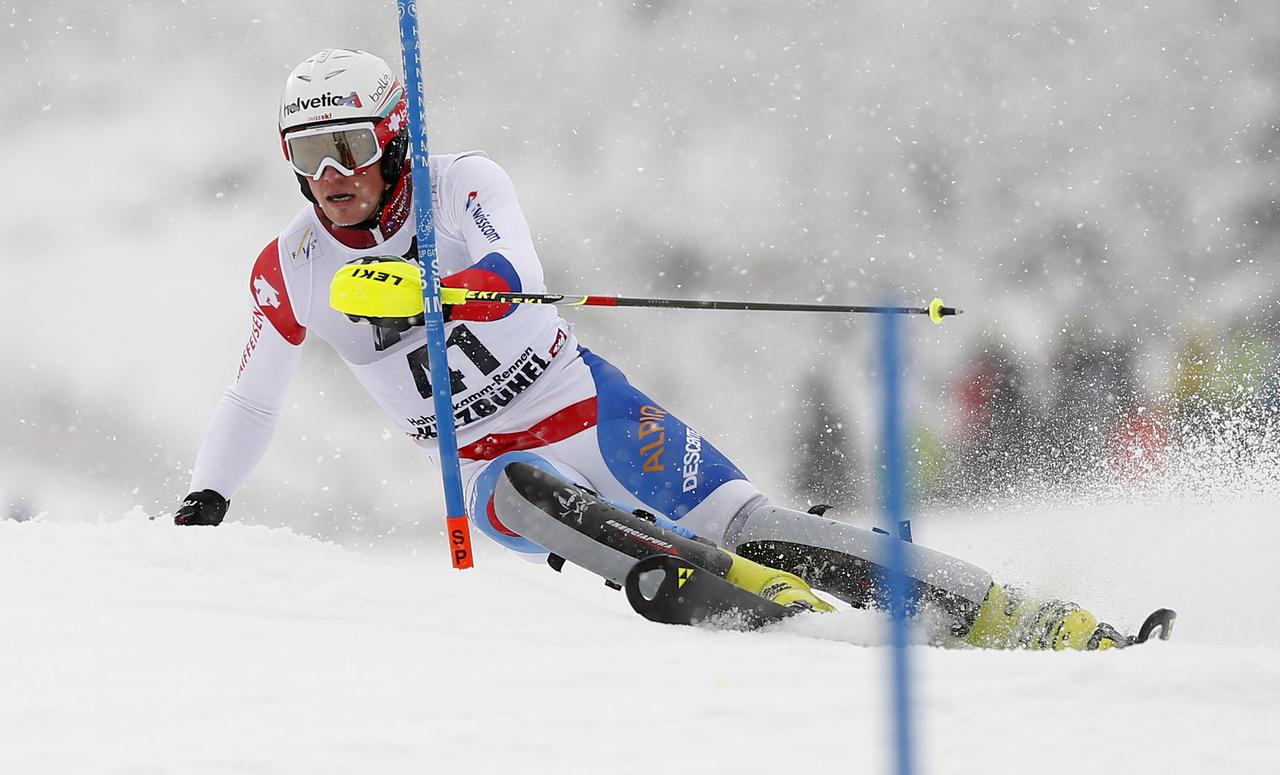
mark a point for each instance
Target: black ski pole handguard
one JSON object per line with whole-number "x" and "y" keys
{"x": 205, "y": 507}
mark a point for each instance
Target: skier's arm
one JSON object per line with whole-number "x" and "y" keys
{"x": 243, "y": 423}
{"x": 479, "y": 203}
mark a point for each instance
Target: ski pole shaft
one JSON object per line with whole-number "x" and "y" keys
{"x": 936, "y": 309}
{"x": 392, "y": 288}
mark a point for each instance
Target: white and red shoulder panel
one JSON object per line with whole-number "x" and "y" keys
{"x": 271, "y": 294}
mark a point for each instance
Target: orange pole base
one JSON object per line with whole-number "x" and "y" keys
{"x": 459, "y": 530}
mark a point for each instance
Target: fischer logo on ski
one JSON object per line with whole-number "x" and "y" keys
{"x": 684, "y": 575}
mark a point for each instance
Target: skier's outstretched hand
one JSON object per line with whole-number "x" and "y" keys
{"x": 205, "y": 507}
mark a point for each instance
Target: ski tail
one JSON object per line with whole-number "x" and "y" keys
{"x": 575, "y": 523}
{"x": 680, "y": 580}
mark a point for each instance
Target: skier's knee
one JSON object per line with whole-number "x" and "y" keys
{"x": 485, "y": 516}
{"x": 714, "y": 515}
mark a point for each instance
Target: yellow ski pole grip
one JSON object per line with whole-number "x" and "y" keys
{"x": 384, "y": 288}
{"x": 378, "y": 288}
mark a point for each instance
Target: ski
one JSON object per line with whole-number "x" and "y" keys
{"x": 672, "y": 590}
{"x": 569, "y": 521}
{"x": 675, "y": 579}
{"x": 668, "y": 577}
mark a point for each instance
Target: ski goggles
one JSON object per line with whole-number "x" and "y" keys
{"x": 345, "y": 147}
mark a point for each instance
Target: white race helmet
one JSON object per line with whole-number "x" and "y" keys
{"x": 340, "y": 86}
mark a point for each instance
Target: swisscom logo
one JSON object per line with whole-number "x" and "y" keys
{"x": 352, "y": 100}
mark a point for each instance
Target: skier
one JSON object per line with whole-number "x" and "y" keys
{"x": 524, "y": 390}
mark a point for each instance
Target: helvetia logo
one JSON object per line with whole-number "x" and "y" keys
{"x": 351, "y": 100}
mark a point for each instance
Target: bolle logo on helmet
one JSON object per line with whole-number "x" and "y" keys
{"x": 352, "y": 100}
{"x": 384, "y": 83}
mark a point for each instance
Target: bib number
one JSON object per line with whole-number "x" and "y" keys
{"x": 471, "y": 347}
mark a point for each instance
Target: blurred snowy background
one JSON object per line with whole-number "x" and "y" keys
{"x": 1094, "y": 184}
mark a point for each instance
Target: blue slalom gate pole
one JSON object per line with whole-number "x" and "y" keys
{"x": 894, "y": 486}
{"x": 456, "y": 526}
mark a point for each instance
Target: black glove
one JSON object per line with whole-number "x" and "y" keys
{"x": 202, "y": 508}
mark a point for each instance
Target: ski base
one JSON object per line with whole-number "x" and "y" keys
{"x": 671, "y": 590}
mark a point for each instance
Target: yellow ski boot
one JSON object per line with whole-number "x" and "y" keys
{"x": 1007, "y": 620}
{"x": 779, "y": 586}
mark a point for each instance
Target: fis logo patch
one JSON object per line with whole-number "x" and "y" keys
{"x": 306, "y": 247}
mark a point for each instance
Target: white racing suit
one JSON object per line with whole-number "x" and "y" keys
{"x": 523, "y": 389}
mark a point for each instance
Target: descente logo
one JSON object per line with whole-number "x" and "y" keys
{"x": 323, "y": 101}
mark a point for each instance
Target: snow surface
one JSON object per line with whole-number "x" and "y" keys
{"x": 132, "y": 646}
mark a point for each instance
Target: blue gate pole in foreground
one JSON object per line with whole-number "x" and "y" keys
{"x": 456, "y": 526}
{"x": 894, "y": 486}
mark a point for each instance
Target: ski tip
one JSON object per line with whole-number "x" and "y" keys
{"x": 1159, "y": 623}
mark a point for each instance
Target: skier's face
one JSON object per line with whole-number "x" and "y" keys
{"x": 349, "y": 199}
